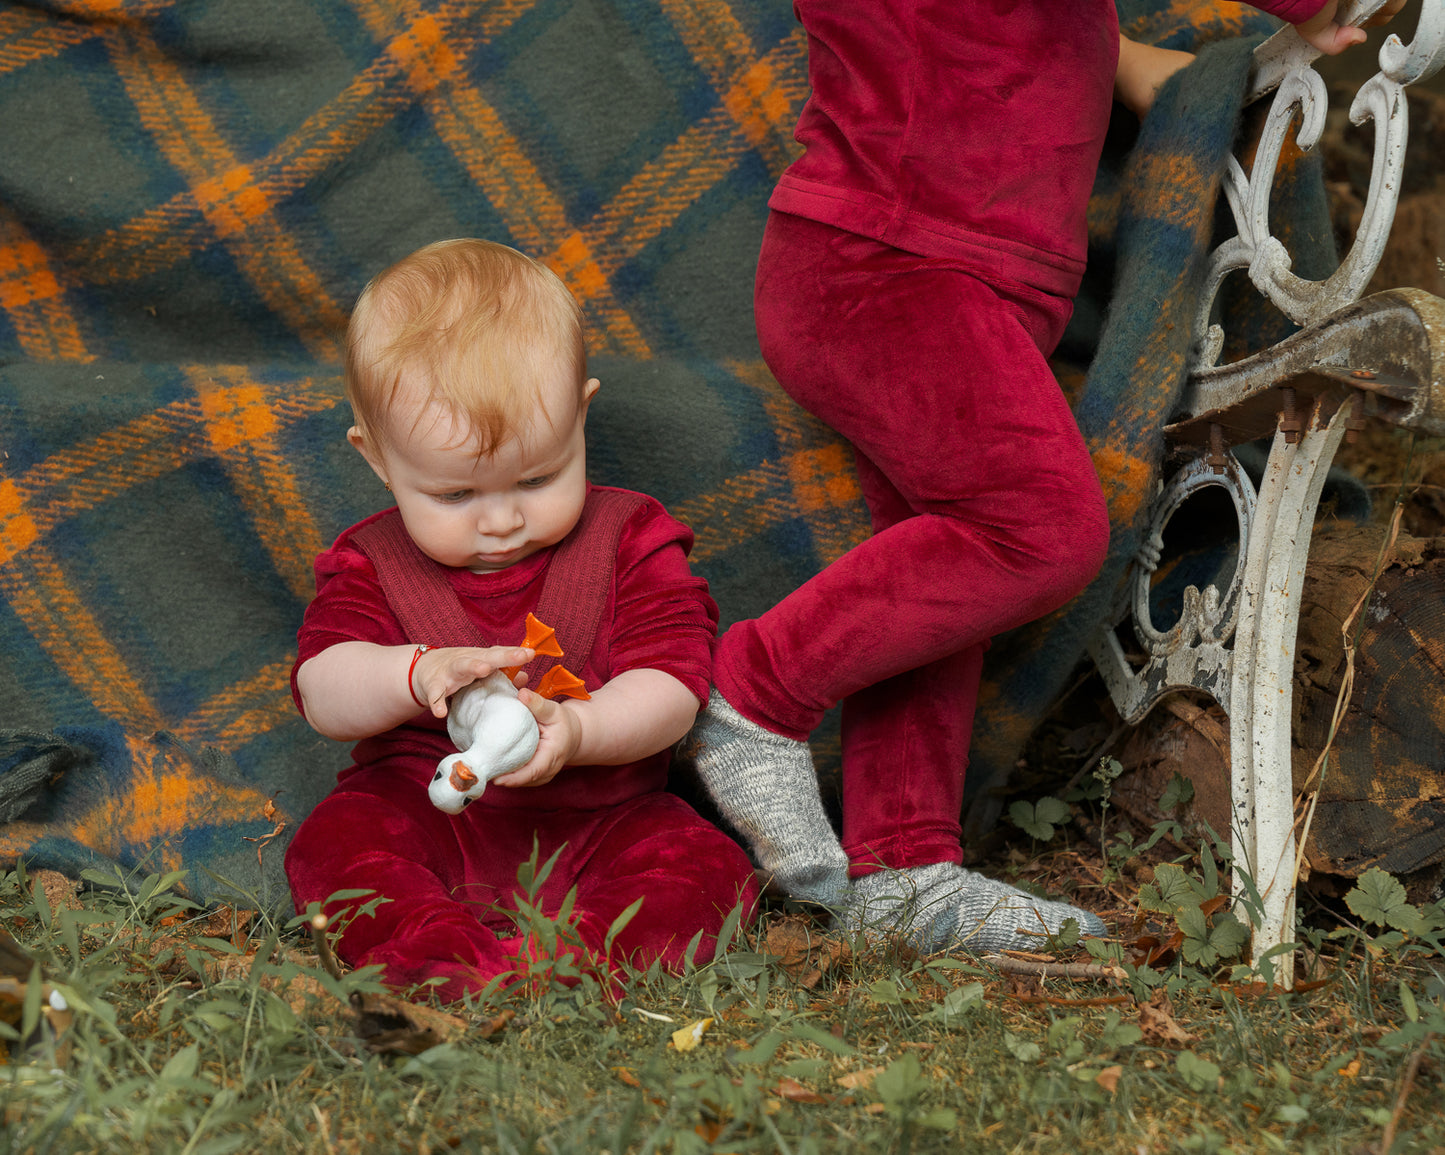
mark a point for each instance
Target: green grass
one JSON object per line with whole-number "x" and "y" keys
{"x": 190, "y": 1032}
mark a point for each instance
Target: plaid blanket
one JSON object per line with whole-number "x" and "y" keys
{"x": 192, "y": 192}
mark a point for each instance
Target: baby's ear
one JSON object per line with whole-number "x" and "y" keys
{"x": 363, "y": 446}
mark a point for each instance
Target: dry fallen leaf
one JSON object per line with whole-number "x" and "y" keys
{"x": 629, "y": 1076}
{"x": 61, "y": 892}
{"x": 228, "y": 923}
{"x": 687, "y": 1038}
{"x": 804, "y": 953}
{"x": 1108, "y": 1078}
{"x": 855, "y": 1079}
{"x": 299, "y": 990}
{"x": 794, "y": 1092}
{"x": 489, "y": 1027}
{"x": 15, "y": 961}
{"x": 392, "y": 1026}
{"x": 1156, "y": 1020}
{"x": 184, "y": 934}
{"x": 270, "y": 814}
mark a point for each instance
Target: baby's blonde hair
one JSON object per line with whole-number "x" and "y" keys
{"x": 478, "y": 324}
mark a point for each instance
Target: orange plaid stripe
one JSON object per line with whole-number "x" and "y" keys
{"x": 164, "y": 795}
{"x": 36, "y": 589}
{"x": 254, "y": 705}
{"x": 234, "y": 201}
{"x": 761, "y": 95}
{"x": 812, "y": 477}
{"x": 164, "y": 235}
{"x": 497, "y": 162}
{"x": 234, "y": 420}
{"x": 819, "y": 465}
{"x": 89, "y": 474}
{"x": 242, "y": 429}
{"x": 27, "y": 37}
{"x": 31, "y": 295}
{"x": 238, "y": 210}
{"x": 699, "y": 159}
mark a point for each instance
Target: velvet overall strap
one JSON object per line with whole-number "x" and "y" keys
{"x": 416, "y": 587}
{"x": 574, "y": 592}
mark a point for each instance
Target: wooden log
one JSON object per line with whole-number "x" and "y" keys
{"x": 1379, "y": 795}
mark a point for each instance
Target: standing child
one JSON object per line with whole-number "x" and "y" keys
{"x": 917, "y": 269}
{"x": 466, "y": 372}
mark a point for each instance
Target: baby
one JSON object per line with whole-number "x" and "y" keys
{"x": 466, "y": 372}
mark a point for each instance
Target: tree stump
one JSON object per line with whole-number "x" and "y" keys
{"x": 1379, "y": 794}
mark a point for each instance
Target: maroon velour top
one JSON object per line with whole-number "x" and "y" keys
{"x": 966, "y": 129}
{"x": 658, "y": 616}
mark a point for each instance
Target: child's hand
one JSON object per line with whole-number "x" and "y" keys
{"x": 560, "y": 735}
{"x": 1142, "y": 71}
{"x": 1324, "y": 32}
{"x": 440, "y": 673}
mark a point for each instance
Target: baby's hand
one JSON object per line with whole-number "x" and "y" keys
{"x": 440, "y": 673}
{"x": 560, "y": 735}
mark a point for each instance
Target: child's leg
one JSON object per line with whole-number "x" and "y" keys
{"x": 901, "y": 828}
{"x": 765, "y": 786}
{"x": 991, "y": 516}
{"x": 688, "y": 873}
{"x": 905, "y": 748}
{"x": 395, "y": 843}
{"x": 998, "y": 516}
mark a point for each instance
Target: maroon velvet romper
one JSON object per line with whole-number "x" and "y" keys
{"x": 451, "y": 879}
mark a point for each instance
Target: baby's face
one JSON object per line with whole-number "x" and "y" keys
{"x": 486, "y": 513}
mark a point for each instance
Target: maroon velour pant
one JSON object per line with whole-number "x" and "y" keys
{"x": 451, "y": 880}
{"x": 986, "y": 511}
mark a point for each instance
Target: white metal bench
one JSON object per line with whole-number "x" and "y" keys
{"x": 1380, "y": 357}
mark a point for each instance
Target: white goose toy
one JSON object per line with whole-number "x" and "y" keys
{"x": 492, "y": 730}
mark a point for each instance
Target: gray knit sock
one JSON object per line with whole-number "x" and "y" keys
{"x": 765, "y": 786}
{"x": 944, "y": 907}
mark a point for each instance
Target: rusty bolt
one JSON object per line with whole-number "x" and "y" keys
{"x": 1289, "y": 422}
{"x": 1216, "y": 447}
{"x": 1357, "y": 418}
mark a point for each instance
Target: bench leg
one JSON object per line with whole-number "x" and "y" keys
{"x": 1262, "y": 679}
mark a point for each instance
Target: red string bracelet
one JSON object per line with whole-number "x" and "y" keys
{"x": 410, "y": 670}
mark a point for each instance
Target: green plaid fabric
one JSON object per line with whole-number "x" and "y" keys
{"x": 192, "y": 193}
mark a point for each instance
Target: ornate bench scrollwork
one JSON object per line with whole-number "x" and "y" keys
{"x": 1382, "y": 357}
